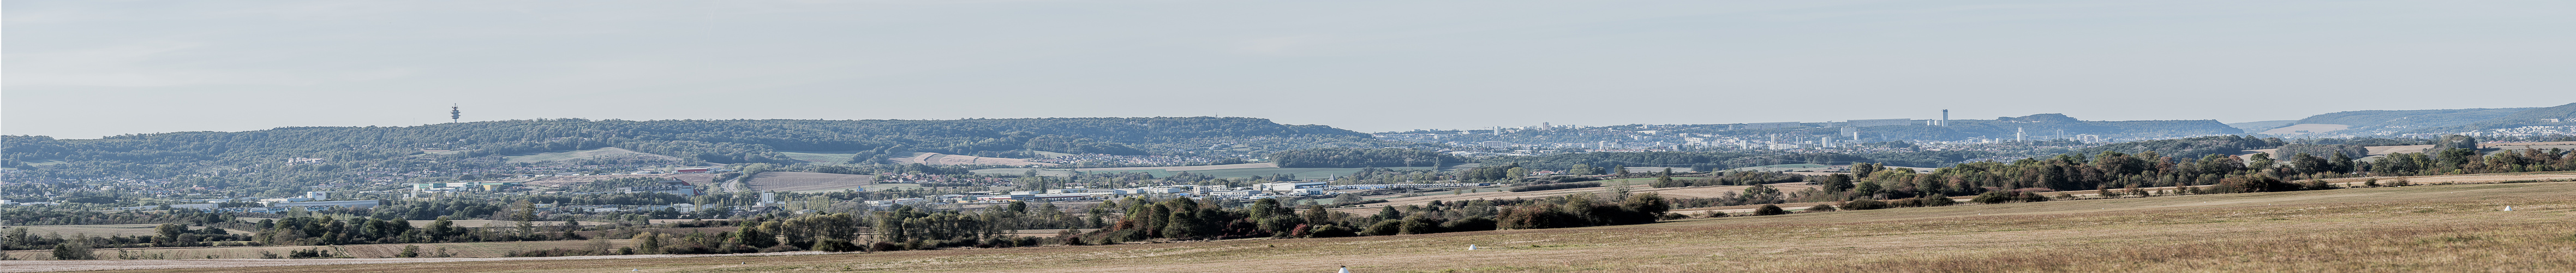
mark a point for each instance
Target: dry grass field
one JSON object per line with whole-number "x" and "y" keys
{"x": 1636, "y": 185}
{"x": 2425, "y": 228}
{"x": 804, "y": 181}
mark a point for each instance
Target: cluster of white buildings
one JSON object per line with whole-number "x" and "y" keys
{"x": 315, "y": 200}
{"x": 2529, "y": 131}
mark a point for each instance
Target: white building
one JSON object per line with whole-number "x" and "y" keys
{"x": 1285, "y": 186}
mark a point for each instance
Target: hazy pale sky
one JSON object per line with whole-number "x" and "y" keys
{"x": 85, "y": 68}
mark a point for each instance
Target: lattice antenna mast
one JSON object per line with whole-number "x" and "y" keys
{"x": 454, "y": 114}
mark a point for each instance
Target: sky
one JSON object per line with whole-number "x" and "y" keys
{"x": 85, "y": 69}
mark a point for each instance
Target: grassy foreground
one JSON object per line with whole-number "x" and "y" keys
{"x": 2437, "y": 228}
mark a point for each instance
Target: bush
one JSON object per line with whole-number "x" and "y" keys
{"x": 314, "y": 253}
{"x": 1821, "y": 208}
{"x": 2254, "y": 183}
{"x": 2315, "y": 184}
{"x": 1769, "y": 210}
{"x": 514, "y": 253}
{"x": 834, "y": 245}
{"x": 1866, "y": 204}
{"x": 1329, "y": 231}
{"x": 1418, "y": 225}
{"x": 1386, "y": 227}
{"x": 1999, "y": 197}
{"x": 72, "y": 251}
{"x": 884, "y": 246}
{"x": 1936, "y": 200}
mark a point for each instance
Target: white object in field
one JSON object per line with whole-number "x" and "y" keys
{"x": 1346, "y": 269}
{"x": 2508, "y": 208}
{"x": 1471, "y": 247}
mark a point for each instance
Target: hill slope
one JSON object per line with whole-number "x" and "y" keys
{"x": 2565, "y": 114}
{"x": 2383, "y": 122}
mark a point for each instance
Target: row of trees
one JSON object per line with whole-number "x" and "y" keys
{"x": 165, "y": 235}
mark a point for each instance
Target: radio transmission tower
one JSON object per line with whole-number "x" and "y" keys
{"x": 453, "y": 114}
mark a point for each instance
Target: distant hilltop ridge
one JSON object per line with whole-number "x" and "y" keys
{"x": 2369, "y": 123}
{"x": 2035, "y": 127}
{"x": 711, "y": 141}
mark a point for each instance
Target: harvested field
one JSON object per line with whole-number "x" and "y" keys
{"x": 939, "y": 159}
{"x": 700, "y": 179}
{"x": 2359, "y": 181}
{"x": 804, "y": 181}
{"x": 600, "y": 153}
{"x": 1638, "y": 186}
{"x": 2461, "y": 179}
{"x": 2439, "y": 228}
